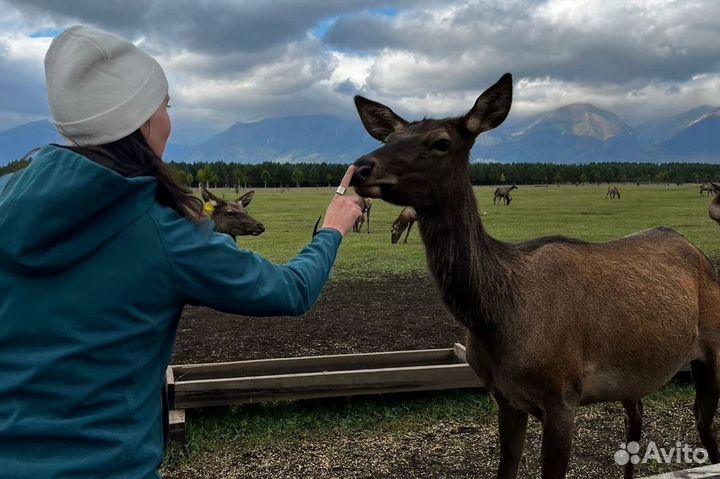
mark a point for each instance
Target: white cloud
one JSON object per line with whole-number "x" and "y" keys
{"x": 25, "y": 49}
{"x": 355, "y": 68}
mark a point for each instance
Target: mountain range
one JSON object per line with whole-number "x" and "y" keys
{"x": 575, "y": 133}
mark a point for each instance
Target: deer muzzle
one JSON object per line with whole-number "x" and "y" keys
{"x": 364, "y": 167}
{"x": 369, "y": 181}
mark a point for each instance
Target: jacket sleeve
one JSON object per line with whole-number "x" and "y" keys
{"x": 210, "y": 269}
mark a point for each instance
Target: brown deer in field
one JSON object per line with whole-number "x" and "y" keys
{"x": 612, "y": 192}
{"x": 553, "y": 323}
{"x": 407, "y": 218}
{"x": 231, "y": 217}
{"x": 711, "y": 188}
{"x": 366, "y": 205}
{"x": 503, "y": 192}
{"x": 714, "y": 207}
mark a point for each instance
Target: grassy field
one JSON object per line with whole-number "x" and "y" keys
{"x": 581, "y": 212}
{"x": 289, "y": 215}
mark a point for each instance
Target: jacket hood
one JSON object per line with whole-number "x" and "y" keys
{"x": 62, "y": 207}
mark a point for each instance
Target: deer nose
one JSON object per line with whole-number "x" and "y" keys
{"x": 363, "y": 169}
{"x": 260, "y": 227}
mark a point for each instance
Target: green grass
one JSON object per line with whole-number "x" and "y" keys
{"x": 259, "y": 424}
{"x": 581, "y": 212}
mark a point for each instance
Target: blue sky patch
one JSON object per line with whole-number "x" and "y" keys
{"x": 385, "y": 11}
{"x": 323, "y": 26}
{"x": 46, "y": 33}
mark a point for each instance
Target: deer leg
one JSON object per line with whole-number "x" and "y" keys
{"x": 557, "y": 441}
{"x": 368, "y": 220}
{"x": 408, "y": 232}
{"x": 513, "y": 426}
{"x": 633, "y": 428}
{"x": 706, "y": 403}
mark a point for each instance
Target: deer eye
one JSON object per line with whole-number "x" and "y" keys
{"x": 441, "y": 145}
{"x": 229, "y": 213}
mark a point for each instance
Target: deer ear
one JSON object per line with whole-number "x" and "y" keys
{"x": 246, "y": 198}
{"x": 204, "y": 194}
{"x": 491, "y": 108}
{"x": 209, "y": 197}
{"x": 378, "y": 119}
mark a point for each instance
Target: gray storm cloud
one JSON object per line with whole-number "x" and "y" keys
{"x": 241, "y": 61}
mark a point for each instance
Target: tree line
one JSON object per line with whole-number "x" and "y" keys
{"x": 242, "y": 176}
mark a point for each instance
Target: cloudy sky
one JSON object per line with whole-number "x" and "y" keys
{"x": 245, "y": 60}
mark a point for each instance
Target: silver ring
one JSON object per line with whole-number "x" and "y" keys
{"x": 340, "y": 190}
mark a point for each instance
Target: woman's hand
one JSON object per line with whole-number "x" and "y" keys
{"x": 344, "y": 210}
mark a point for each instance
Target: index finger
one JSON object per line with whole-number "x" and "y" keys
{"x": 345, "y": 182}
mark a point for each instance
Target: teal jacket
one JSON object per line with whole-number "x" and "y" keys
{"x": 94, "y": 274}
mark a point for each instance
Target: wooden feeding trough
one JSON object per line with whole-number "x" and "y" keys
{"x": 242, "y": 382}
{"x": 219, "y": 384}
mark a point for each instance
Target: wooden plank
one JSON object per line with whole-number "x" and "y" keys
{"x": 705, "y": 472}
{"x": 460, "y": 353}
{"x": 170, "y": 386}
{"x": 216, "y": 392}
{"x": 176, "y": 432}
{"x": 338, "y": 362}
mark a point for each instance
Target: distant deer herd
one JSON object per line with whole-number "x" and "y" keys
{"x": 553, "y": 323}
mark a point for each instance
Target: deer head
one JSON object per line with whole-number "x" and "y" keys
{"x": 231, "y": 217}
{"x": 419, "y": 160}
{"x": 404, "y": 221}
{"x": 396, "y": 232}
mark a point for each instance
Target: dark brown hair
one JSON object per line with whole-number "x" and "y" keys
{"x": 132, "y": 156}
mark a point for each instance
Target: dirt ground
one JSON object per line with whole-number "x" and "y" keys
{"x": 349, "y": 317}
{"x": 390, "y": 315}
{"x": 445, "y": 450}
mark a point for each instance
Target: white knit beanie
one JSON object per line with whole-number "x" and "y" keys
{"x": 100, "y": 87}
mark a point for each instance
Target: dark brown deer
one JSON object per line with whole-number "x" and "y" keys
{"x": 714, "y": 207}
{"x": 553, "y": 323}
{"x": 711, "y": 188}
{"x": 367, "y": 204}
{"x": 407, "y": 218}
{"x": 231, "y": 217}
{"x": 612, "y": 192}
{"x": 503, "y": 192}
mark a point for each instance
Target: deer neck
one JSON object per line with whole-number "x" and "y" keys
{"x": 473, "y": 271}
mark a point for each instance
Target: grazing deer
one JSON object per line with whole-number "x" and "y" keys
{"x": 714, "y": 207}
{"x": 503, "y": 192}
{"x": 407, "y": 218}
{"x": 612, "y": 192}
{"x": 711, "y": 188}
{"x": 367, "y": 204}
{"x": 553, "y": 323}
{"x": 231, "y": 217}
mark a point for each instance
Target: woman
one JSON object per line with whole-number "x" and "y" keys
{"x": 100, "y": 252}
